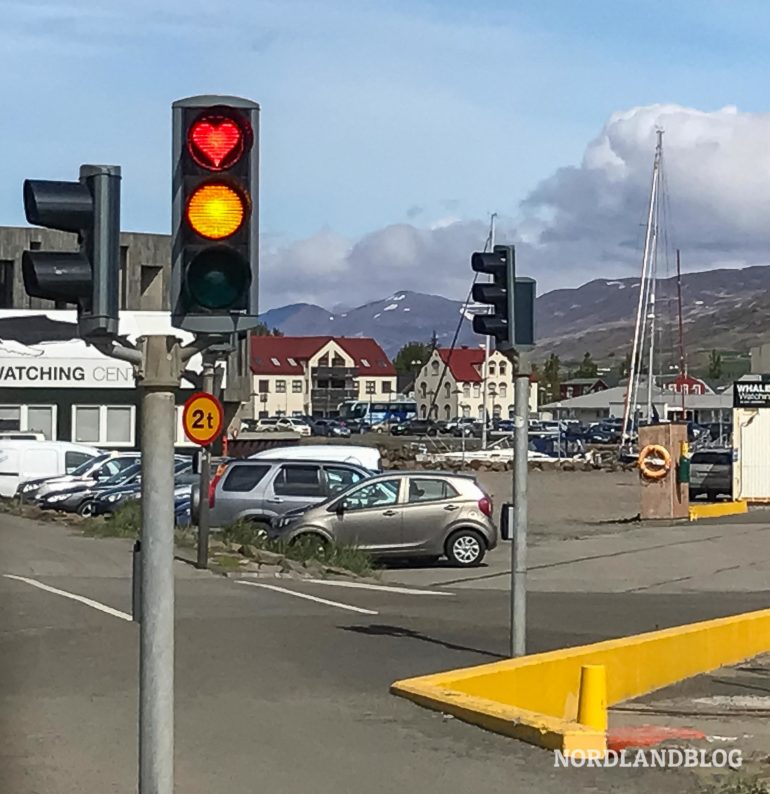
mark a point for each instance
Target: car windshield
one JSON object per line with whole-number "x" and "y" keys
{"x": 84, "y": 468}
{"x": 124, "y": 476}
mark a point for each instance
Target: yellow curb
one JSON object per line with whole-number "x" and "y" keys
{"x": 718, "y": 509}
{"x": 537, "y": 698}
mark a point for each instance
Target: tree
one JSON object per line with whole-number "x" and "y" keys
{"x": 552, "y": 377}
{"x": 263, "y": 330}
{"x": 624, "y": 368}
{"x": 410, "y": 352}
{"x": 587, "y": 368}
{"x": 715, "y": 366}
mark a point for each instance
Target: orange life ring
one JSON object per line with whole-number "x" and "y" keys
{"x": 654, "y": 470}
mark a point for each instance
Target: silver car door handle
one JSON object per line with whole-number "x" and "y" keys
{"x": 451, "y": 507}
{"x": 389, "y": 513}
{"x": 275, "y": 500}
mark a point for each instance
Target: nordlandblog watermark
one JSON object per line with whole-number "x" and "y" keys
{"x": 689, "y": 758}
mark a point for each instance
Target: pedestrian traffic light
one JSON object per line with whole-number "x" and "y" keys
{"x": 88, "y": 277}
{"x": 500, "y": 263}
{"x": 214, "y": 273}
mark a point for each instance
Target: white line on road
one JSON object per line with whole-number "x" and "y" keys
{"x": 382, "y": 587}
{"x": 116, "y": 613}
{"x": 349, "y": 607}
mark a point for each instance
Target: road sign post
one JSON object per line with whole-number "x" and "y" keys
{"x": 203, "y": 421}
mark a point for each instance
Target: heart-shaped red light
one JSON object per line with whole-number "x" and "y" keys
{"x": 216, "y": 142}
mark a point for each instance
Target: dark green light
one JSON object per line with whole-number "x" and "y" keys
{"x": 217, "y": 278}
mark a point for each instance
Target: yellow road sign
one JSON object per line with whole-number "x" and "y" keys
{"x": 202, "y": 418}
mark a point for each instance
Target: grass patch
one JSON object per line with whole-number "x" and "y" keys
{"x": 249, "y": 533}
{"x": 125, "y": 522}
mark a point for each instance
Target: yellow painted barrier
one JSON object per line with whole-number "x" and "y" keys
{"x": 536, "y": 698}
{"x": 718, "y": 509}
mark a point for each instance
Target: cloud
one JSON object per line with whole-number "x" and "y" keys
{"x": 582, "y": 222}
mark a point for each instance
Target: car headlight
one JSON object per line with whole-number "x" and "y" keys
{"x": 29, "y": 487}
{"x": 57, "y": 497}
{"x": 113, "y": 497}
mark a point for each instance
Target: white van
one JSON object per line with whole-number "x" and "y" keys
{"x": 368, "y": 457}
{"x": 22, "y": 460}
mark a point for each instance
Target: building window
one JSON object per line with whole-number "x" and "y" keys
{"x": 492, "y": 389}
{"x": 10, "y": 417}
{"x": 434, "y": 366}
{"x": 502, "y": 390}
{"x": 466, "y": 389}
{"x": 447, "y": 391}
{"x": 423, "y": 411}
{"x": 365, "y": 363}
{"x": 447, "y": 412}
{"x": 151, "y": 288}
{"x": 502, "y": 368}
{"x": 387, "y": 387}
{"x": 338, "y": 361}
{"x": 497, "y": 410}
{"x": 275, "y": 362}
{"x": 40, "y": 419}
{"x": 123, "y": 276}
{"x": 6, "y": 283}
{"x": 118, "y": 428}
{"x": 491, "y": 368}
{"x": 324, "y": 360}
{"x": 476, "y": 390}
{"x": 264, "y": 387}
{"x": 371, "y": 387}
{"x": 481, "y": 412}
{"x": 296, "y": 387}
{"x": 423, "y": 390}
{"x": 86, "y": 424}
{"x": 292, "y": 361}
{"x": 466, "y": 410}
{"x": 108, "y": 425}
{"x": 280, "y": 387}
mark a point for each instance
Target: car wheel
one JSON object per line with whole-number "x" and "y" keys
{"x": 313, "y": 541}
{"x": 465, "y": 548}
{"x": 86, "y": 509}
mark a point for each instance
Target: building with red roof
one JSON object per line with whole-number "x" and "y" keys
{"x": 312, "y": 375}
{"x": 450, "y": 384}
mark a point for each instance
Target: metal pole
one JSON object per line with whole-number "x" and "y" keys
{"x": 161, "y": 374}
{"x": 519, "y": 510}
{"x": 202, "y": 560}
{"x": 487, "y": 351}
{"x": 136, "y": 582}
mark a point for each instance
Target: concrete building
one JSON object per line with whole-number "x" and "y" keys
{"x": 312, "y": 375}
{"x": 450, "y": 384}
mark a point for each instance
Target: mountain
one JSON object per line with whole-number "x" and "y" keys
{"x": 722, "y": 309}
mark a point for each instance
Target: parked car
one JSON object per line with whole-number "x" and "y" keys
{"x": 262, "y": 490}
{"x": 100, "y": 469}
{"x": 366, "y": 457}
{"x": 293, "y": 425}
{"x": 356, "y": 425}
{"x": 108, "y": 501}
{"x": 416, "y": 427}
{"x": 426, "y": 515}
{"x": 330, "y": 427}
{"x": 711, "y": 473}
{"x": 22, "y": 460}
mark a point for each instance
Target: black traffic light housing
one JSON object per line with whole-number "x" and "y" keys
{"x": 500, "y": 263}
{"x": 215, "y": 229}
{"x": 88, "y": 277}
{"x": 512, "y": 319}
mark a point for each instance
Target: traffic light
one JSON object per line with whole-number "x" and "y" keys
{"x": 88, "y": 277}
{"x": 214, "y": 273}
{"x": 500, "y": 263}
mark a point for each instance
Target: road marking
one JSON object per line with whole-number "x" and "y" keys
{"x": 116, "y": 613}
{"x": 349, "y": 607}
{"x": 382, "y": 587}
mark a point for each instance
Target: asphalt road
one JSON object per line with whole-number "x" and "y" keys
{"x": 277, "y": 690}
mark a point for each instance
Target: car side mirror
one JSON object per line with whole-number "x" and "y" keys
{"x": 339, "y": 508}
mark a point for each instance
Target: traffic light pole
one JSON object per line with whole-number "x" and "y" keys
{"x": 518, "y": 519}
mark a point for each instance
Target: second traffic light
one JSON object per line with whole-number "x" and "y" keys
{"x": 500, "y": 263}
{"x": 214, "y": 274}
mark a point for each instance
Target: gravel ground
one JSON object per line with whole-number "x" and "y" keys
{"x": 567, "y": 504}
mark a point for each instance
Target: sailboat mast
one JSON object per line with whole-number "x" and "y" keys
{"x": 637, "y": 352}
{"x": 682, "y": 361}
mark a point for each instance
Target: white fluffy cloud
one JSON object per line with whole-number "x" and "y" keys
{"x": 582, "y": 222}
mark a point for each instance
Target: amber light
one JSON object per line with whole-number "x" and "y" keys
{"x": 216, "y": 210}
{"x": 217, "y": 142}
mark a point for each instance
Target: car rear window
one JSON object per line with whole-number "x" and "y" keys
{"x": 423, "y": 489}
{"x": 338, "y": 478}
{"x": 244, "y": 477}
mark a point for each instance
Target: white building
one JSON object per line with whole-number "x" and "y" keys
{"x": 450, "y": 384}
{"x": 312, "y": 375}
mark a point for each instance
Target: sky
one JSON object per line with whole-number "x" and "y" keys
{"x": 391, "y": 130}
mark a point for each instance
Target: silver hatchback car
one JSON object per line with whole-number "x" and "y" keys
{"x": 403, "y": 514}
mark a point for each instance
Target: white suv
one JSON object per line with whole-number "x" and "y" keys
{"x": 290, "y": 423}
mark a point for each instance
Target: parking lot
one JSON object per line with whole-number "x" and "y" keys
{"x": 283, "y": 684}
